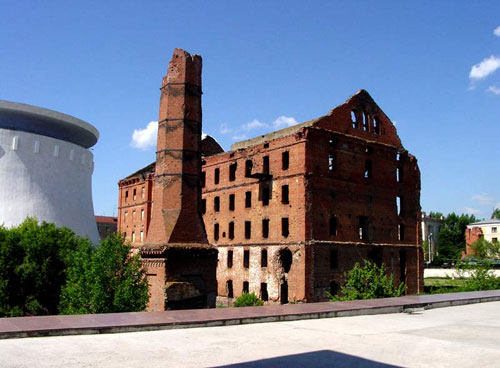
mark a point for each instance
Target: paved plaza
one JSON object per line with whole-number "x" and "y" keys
{"x": 464, "y": 336}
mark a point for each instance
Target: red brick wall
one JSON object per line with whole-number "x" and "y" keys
{"x": 471, "y": 235}
{"x": 130, "y": 219}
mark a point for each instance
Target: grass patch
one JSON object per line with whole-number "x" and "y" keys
{"x": 443, "y": 282}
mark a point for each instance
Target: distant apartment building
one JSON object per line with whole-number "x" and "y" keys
{"x": 489, "y": 230}
{"x": 431, "y": 226}
{"x": 106, "y": 226}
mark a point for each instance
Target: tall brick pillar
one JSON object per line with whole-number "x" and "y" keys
{"x": 176, "y": 214}
{"x": 177, "y": 232}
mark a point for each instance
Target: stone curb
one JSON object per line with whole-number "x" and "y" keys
{"x": 19, "y": 327}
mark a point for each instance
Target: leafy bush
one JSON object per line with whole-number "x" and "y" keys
{"x": 479, "y": 277}
{"x": 106, "y": 280}
{"x": 368, "y": 282}
{"x": 33, "y": 262}
{"x": 247, "y": 300}
{"x": 46, "y": 269}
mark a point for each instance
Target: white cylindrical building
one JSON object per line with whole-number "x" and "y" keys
{"x": 46, "y": 168}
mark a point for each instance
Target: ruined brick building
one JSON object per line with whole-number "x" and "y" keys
{"x": 289, "y": 212}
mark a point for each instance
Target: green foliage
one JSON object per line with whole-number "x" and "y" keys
{"x": 105, "y": 280}
{"x": 479, "y": 277}
{"x": 484, "y": 249}
{"x": 368, "y": 282}
{"x": 496, "y": 213}
{"x": 437, "y": 215}
{"x": 247, "y": 300}
{"x": 451, "y": 238}
{"x": 33, "y": 261}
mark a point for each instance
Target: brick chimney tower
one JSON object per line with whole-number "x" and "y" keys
{"x": 176, "y": 215}
{"x": 180, "y": 263}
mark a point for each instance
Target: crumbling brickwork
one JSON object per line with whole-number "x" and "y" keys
{"x": 472, "y": 234}
{"x": 291, "y": 211}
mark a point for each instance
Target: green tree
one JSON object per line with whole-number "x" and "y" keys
{"x": 33, "y": 261}
{"x": 368, "y": 282}
{"x": 437, "y": 215}
{"x": 451, "y": 238}
{"x": 484, "y": 249}
{"x": 496, "y": 213}
{"x": 105, "y": 280}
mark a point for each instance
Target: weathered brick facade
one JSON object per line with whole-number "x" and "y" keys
{"x": 291, "y": 211}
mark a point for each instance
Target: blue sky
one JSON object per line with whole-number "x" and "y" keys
{"x": 432, "y": 66}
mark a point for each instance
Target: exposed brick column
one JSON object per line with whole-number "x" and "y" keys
{"x": 176, "y": 216}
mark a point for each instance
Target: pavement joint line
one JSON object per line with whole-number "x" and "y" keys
{"x": 20, "y": 327}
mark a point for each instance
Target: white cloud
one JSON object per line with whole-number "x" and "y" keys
{"x": 485, "y": 68}
{"x": 484, "y": 199}
{"x": 239, "y": 137}
{"x": 284, "y": 121}
{"x": 496, "y": 31}
{"x": 471, "y": 211}
{"x": 145, "y": 138}
{"x": 494, "y": 90}
{"x": 254, "y": 124}
{"x": 224, "y": 128}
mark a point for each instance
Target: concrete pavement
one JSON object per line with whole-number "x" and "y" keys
{"x": 463, "y": 336}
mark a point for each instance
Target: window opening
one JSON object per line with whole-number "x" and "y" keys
{"x": 285, "y": 160}
{"x": 232, "y": 171}
{"x": 229, "y": 286}
{"x": 284, "y": 292}
{"x": 331, "y": 162}
{"x": 142, "y": 192}
{"x": 284, "y": 194}
{"x": 365, "y": 122}
{"x": 231, "y": 230}
{"x": 248, "y": 168}
{"x": 399, "y": 174}
{"x": 334, "y": 288}
{"x": 248, "y": 199}
{"x": 401, "y": 232}
{"x": 402, "y": 265}
{"x": 216, "y": 176}
{"x": 376, "y": 125}
{"x": 263, "y": 292}
{"x": 245, "y": 287}
{"x": 217, "y": 204}
{"x": 333, "y": 225}
{"x": 399, "y": 205}
{"x": 286, "y": 258}
{"x": 229, "y": 259}
{"x": 265, "y": 164}
{"x": 334, "y": 259}
{"x": 285, "y": 231}
{"x": 368, "y": 169}
{"x": 135, "y": 194}
{"x": 248, "y": 229}
{"x": 203, "y": 206}
{"x": 231, "y": 202}
{"x": 216, "y": 232}
{"x": 363, "y": 227}
{"x": 265, "y": 228}
{"x": 375, "y": 255}
{"x": 246, "y": 258}
{"x": 354, "y": 120}
{"x": 203, "y": 179}
{"x": 263, "y": 258}
{"x": 265, "y": 195}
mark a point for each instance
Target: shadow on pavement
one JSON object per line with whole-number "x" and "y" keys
{"x": 321, "y": 358}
